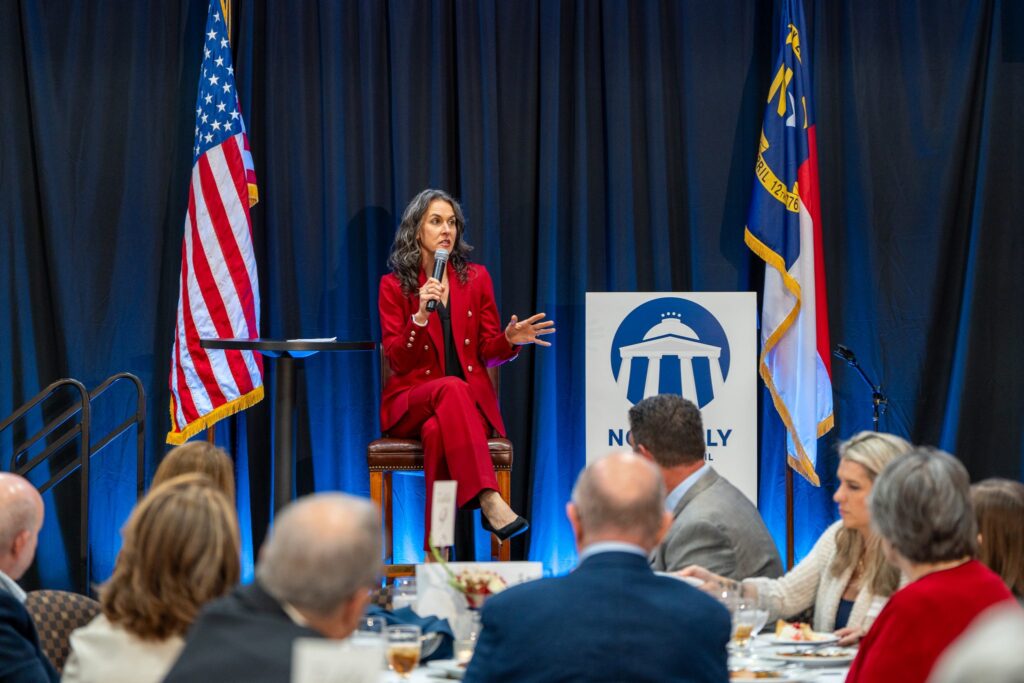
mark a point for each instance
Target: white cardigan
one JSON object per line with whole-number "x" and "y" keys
{"x": 102, "y": 652}
{"x": 811, "y": 583}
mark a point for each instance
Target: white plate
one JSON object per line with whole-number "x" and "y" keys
{"x": 788, "y": 676}
{"x": 820, "y": 639}
{"x": 447, "y": 666}
{"x": 843, "y": 656}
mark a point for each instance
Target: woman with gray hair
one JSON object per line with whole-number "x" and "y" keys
{"x": 440, "y": 331}
{"x": 921, "y": 508}
{"x": 845, "y": 577}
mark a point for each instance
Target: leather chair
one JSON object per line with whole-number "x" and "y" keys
{"x": 56, "y": 614}
{"x": 388, "y": 455}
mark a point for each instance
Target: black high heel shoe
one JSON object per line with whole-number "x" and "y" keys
{"x": 514, "y": 528}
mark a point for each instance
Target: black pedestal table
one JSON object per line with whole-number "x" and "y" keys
{"x": 285, "y": 353}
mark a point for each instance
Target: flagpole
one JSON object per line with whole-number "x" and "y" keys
{"x": 789, "y": 517}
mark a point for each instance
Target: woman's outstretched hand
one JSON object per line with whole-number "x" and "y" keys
{"x": 528, "y": 331}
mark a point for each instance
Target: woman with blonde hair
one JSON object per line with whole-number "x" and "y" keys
{"x": 181, "y": 550}
{"x": 999, "y": 509}
{"x": 845, "y": 576}
{"x": 199, "y": 457}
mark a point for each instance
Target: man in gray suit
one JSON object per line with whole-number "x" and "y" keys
{"x": 714, "y": 524}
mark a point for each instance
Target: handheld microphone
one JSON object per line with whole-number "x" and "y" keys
{"x": 440, "y": 261}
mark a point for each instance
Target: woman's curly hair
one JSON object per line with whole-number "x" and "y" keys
{"x": 404, "y": 259}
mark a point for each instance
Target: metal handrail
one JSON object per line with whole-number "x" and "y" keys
{"x": 83, "y": 405}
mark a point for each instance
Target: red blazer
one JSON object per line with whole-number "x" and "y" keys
{"x": 416, "y": 354}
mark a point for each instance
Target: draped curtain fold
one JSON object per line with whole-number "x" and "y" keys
{"x": 595, "y": 146}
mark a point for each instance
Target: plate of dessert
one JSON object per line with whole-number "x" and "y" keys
{"x": 822, "y": 656}
{"x": 797, "y": 633}
{"x": 758, "y": 673}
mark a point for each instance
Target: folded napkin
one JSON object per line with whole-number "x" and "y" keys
{"x": 406, "y": 616}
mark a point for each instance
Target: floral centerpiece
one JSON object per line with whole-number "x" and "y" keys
{"x": 474, "y": 584}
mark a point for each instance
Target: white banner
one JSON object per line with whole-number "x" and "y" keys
{"x": 701, "y": 345}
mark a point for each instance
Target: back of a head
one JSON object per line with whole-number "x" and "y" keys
{"x": 199, "y": 457}
{"x": 873, "y": 450}
{"x": 21, "y": 510}
{"x": 322, "y": 549}
{"x": 670, "y": 427}
{"x": 181, "y": 549}
{"x": 921, "y": 505}
{"x": 620, "y": 496}
{"x": 999, "y": 510}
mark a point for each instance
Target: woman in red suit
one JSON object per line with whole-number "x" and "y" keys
{"x": 921, "y": 508}
{"x": 440, "y": 391}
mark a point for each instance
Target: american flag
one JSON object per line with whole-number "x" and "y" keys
{"x": 784, "y": 229}
{"x": 219, "y": 290}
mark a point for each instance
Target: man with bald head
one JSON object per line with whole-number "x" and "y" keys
{"x": 313, "y": 579}
{"x": 21, "y": 518}
{"x": 612, "y": 618}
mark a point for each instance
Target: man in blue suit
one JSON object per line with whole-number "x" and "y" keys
{"x": 612, "y": 618}
{"x": 21, "y": 517}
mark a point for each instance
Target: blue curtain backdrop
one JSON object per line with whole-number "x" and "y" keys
{"x": 596, "y": 146}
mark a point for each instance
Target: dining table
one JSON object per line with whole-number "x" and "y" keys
{"x": 764, "y": 647}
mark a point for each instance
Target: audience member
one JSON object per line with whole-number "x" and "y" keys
{"x": 999, "y": 510}
{"x": 845, "y": 577}
{"x": 714, "y": 524}
{"x": 180, "y": 551}
{"x": 202, "y": 457}
{"x": 21, "y": 518}
{"x": 313, "y": 580}
{"x": 989, "y": 650}
{"x": 921, "y": 508}
{"x": 612, "y": 618}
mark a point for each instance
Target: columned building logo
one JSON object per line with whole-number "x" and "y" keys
{"x": 670, "y": 345}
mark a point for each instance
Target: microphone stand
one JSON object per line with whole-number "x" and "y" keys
{"x": 879, "y": 401}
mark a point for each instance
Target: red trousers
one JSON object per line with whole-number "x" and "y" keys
{"x": 444, "y": 416}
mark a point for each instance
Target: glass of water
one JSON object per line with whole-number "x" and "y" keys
{"x": 403, "y": 592}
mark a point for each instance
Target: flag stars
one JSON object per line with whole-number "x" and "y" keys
{"x": 216, "y": 17}
{"x": 216, "y": 125}
{"x": 209, "y": 137}
{"x": 234, "y": 114}
{"x": 219, "y": 61}
{"x": 227, "y": 87}
{"x": 227, "y": 125}
{"x": 212, "y": 34}
{"x": 206, "y": 52}
{"x": 221, "y": 107}
{"x": 214, "y": 80}
{"x": 203, "y": 118}
{"x": 231, "y": 71}
{"x": 207, "y": 100}
{"x": 223, "y": 42}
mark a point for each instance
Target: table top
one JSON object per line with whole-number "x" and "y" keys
{"x": 284, "y": 346}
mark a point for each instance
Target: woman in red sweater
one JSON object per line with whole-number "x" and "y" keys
{"x": 921, "y": 507}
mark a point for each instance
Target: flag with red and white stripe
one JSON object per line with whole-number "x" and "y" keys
{"x": 219, "y": 288}
{"x": 784, "y": 229}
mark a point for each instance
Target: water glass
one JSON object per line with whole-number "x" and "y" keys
{"x": 403, "y": 648}
{"x": 466, "y": 635}
{"x": 370, "y": 631}
{"x": 747, "y": 619}
{"x": 403, "y": 592}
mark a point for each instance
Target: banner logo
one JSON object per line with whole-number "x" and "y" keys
{"x": 670, "y": 345}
